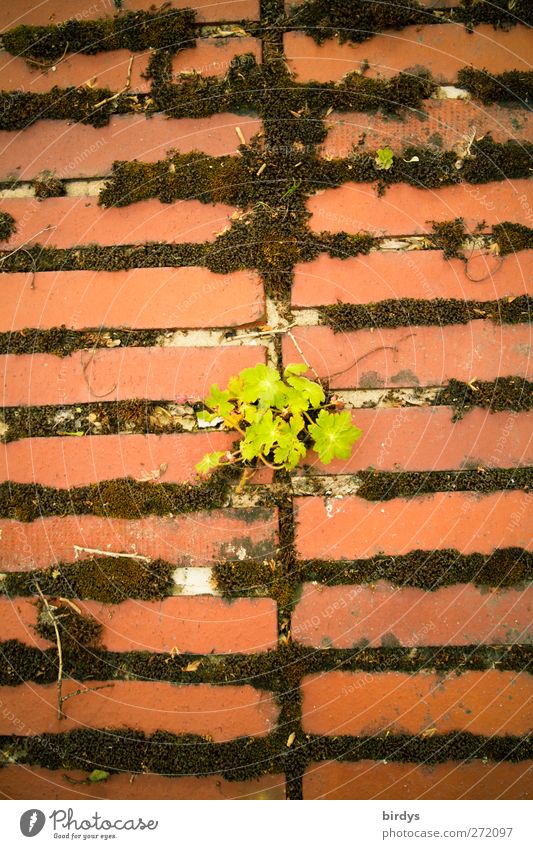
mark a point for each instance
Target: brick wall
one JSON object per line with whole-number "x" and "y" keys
{"x": 352, "y": 631}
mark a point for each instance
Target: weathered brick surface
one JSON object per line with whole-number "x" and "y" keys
{"x": 414, "y": 356}
{"x": 116, "y": 374}
{"x": 404, "y": 210}
{"x": 421, "y": 439}
{"x": 138, "y": 298}
{"x": 454, "y": 780}
{"x": 363, "y": 703}
{"x": 347, "y": 616}
{"x": 78, "y": 150}
{"x": 196, "y": 539}
{"x": 17, "y": 782}
{"x": 211, "y": 57}
{"x": 440, "y": 124}
{"x": 110, "y": 69}
{"x": 104, "y": 70}
{"x": 221, "y": 713}
{"x": 424, "y": 275}
{"x": 68, "y": 221}
{"x": 442, "y": 49}
{"x": 199, "y": 625}
{"x": 55, "y": 11}
{"x": 66, "y": 462}
{"x": 351, "y": 527}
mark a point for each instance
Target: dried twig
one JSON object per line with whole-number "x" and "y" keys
{"x": 53, "y": 620}
{"x": 296, "y": 344}
{"x": 78, "y": 549}
{"x": 47, "y": 66}
{"x": 83, "y": 690}
{"x": 123, "y": 90}
{"x": 84, "y": 367}
{"x": 368, "y": 353}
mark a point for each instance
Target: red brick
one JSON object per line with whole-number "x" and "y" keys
{"x": 55, "y": 11}
{"x": 441, "y": 124}
{"x": 64, "y": 462}
{"x": 196, "y": 539}
{"x": 115, "y": 374}
{"x": 443, "y": 49}
{"x": 78, "y": 150}
{"x": 80, "y": 221}
{"x": 363, "y": 703}
{"x": 452, "y": 780}
{"x": 344, "y": 617}
{"x": 18, "y": 619}
{"x": 352, "y": 527}
{"x": 21, "y": 782}
{"x": 199, "y": 625}
{"x": 108, "y": 69}
{"x": 424, "y": 275}
{"x": 414, "y": 356}
{"x": 221, "y": 713}
{"x": 137, "y": 298}
{"x": 211, "y": 57}
{"x": 418, "y": 439}
{"x": 404, "y": 210}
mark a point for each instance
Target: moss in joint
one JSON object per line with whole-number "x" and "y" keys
{"x": 504, "y": 393}
{"x": 409, "y": 312}
{"x": 383, "y": 486}
{"x": 171, "y": 29}
{"x": 426, "y": 570}
{"x": 508, "y": 87}
{"x": 449, "y": 237}
{"x": 512, "y": 237}
{"x": 7, "y": 226}
{"x": 106, "y": 579}
{"x": 125, "y": 498}
{"x": 246, "y": 757}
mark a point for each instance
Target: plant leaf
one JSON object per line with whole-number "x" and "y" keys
{"x": 219, "y": 401}
{"x": 209, "y": 462}
{"x": 98, "y": 775}
{"x": 263, "y": 384}
{"x": 334, "y": 435}
{"x": 290, "y": 449}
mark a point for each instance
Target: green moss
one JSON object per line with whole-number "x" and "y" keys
{"x": 409, "y": 312}
{"x": 48, "y": 186}
{"x": 7, "y": 226}
{"x": 427, "y": 570}
{"x": 133, "y": 416}
{"x": 106, "y": 579}
{"x": 20, "y": 109}
{"x": 343, "y": 245}
{"x": 77, "y": 632}
{"x": 383, "y": 486}
{"x": 356, "y": 22}
{"x": 513, "y": 237}
{"x": 169, "y": 28}
{"x": 125, "y": 498}
{"x": 508, "y": 87}
{"x": 504, "y": 393}
{"x": 449, "y": 237}
{"x": 244, "y": 758}
{"x": 359, "y": 21}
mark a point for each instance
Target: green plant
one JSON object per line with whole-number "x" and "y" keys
{"x": 384, "y": 158}
{"x": 278, "y": 419}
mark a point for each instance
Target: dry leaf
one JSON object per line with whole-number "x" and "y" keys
{"x": 429, "y": 732}
{"x": 291, "y": 739}
{"x": 192, "y": 666}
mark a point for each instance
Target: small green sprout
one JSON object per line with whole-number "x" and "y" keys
{"x": 384, "y": 158}
{"x": 278, "y": 419}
